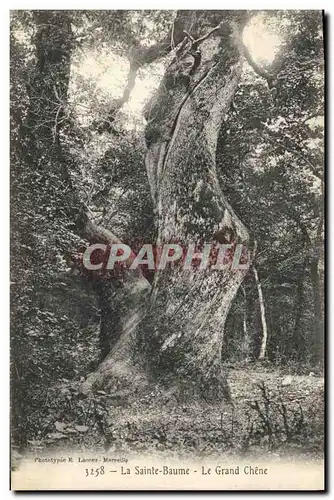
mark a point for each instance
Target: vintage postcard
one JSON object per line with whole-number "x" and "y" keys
{"x": 167, "y": 250}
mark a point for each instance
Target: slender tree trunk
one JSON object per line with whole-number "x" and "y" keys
{"x": 263, "y": 347}
{"x": 318, "y": 323}
{"x": 246, "y": 341}
{"x": 315, "y": 250}
{"x": 316, "y": 286}
{"x": 298, "y": 343}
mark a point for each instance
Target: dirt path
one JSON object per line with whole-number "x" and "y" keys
{"x": 243, "y": 383}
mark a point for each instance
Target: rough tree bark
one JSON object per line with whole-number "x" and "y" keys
{"x": 171, "y": 332}
{"x": 179, "y": 340}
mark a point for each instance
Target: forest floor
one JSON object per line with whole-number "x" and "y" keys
{"x": 274, "y": 413}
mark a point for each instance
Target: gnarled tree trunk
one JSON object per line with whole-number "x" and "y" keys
{"x": 179, "y": 340}
{"x": 171, "y": 332}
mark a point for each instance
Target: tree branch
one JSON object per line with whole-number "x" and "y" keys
{"x": 314, "y": 115}
{"x": 207, "y": 35}
{"x": 147, "y": 55}
{"x": 258, "y": 69}
{"x": 141, "y": 56}
{"x": 307, "y": 161}
{"x": 274, "y": 139}
{"x": 299, "y": 155}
